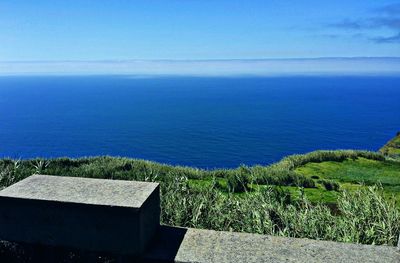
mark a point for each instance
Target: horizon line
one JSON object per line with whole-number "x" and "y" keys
{"x": 201, "y": 60}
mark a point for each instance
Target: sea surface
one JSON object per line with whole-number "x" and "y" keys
{"x": 202, "y": 122}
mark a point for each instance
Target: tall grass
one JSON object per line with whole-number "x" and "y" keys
{"x": 281, "y": 173}
{"x": 293, "y": 161}
{"x": 362, "y": 217}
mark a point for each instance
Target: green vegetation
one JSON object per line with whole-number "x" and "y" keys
{"x": 239, "y": 182}
{"x": 357, "y": 173}
{"x": 326, "y": 195}
{"x": 392, "y": 148}
{"x": 330, "y": 185}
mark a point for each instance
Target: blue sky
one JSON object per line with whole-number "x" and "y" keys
{"x": 196, "y": 29}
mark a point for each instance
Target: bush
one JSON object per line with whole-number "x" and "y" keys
{"x": 330, "y": 185}
{"x": 238, "y": 182}
{"x": 271, "y": 176}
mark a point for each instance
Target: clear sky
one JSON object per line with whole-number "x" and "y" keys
{"x": 95, "y": 30}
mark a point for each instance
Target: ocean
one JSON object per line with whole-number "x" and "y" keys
{"x": 205, "y": 122}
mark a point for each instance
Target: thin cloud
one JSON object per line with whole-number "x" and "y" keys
{"x": 386, "y": 17}
{"x": 348, "y": 24}
{"x": 391, "y": 39}
{"x": 388, "y": 22}
{"x": 332, "y": 36}
{"x": 392, "y": 9}
{"x": 369, "y": 23}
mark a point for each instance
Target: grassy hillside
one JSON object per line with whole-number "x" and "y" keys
{"x": 354, "y": 174}
{"x": 392, "y": 148}
{"x": 316, "y": 195}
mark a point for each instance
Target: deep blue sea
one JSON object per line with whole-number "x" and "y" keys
{"x": 202, "y": 122}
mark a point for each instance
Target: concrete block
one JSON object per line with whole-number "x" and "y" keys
{"x": 90, "y": 214}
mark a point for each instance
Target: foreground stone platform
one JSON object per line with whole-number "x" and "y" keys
{"x": 89, "y": 214}
{"x": 65, "y": 219}
{"x": 195, "y": 245}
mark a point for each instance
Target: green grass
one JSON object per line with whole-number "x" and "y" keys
{"x": 360, "y": 170}
{"x": 392, "y": 148}
{"x": 352, "y": 174}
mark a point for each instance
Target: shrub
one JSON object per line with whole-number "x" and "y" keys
{"x": 330, "y": 185}
{"x": 272, "y": 176}
{"x": 238, "y": 182}
{"x": 220, "y": 173}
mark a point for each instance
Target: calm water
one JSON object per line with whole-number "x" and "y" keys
{"x": 203, "y": 122}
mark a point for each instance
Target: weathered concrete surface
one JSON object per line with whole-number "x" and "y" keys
{"x": 82, "y": 190}
{"x": 90, "y": 214}
{"x": 195, "y": 245}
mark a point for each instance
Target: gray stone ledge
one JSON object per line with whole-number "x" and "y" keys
{"x": 195, "y": 245}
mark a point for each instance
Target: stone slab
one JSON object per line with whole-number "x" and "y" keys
{"x": 82, "y": 190}
{"x": 90, "y": 214}
{"x": 194, "y": 245}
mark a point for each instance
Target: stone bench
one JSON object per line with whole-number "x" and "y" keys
{"x": 110, "y": 216}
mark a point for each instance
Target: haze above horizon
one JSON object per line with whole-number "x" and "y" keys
{"x": 199, "y": 37}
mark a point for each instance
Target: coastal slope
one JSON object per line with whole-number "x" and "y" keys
{"x": 392, "y": 147}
